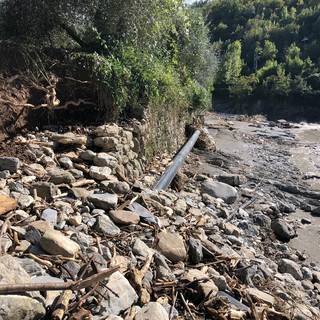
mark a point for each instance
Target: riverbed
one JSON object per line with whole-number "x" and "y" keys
{"x": 306, "y": 156}
{"x": 268, "y": 152}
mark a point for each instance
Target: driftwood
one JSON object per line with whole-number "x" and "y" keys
{"x": 71, "y": 285}
{"x": 62, "y": 305}
{"x": 138, "y": 275}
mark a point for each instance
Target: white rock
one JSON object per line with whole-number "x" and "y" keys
{"x": 152, "y": 310}
{"x": 100, "y": 173}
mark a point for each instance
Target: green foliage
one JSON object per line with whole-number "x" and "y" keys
{"x": 243, "y": 87}
{"x": 138, "y": 52}
{"x": 278, "y": 86}
{"x": 231, "y": 66}
{"x": 280, "y": 46}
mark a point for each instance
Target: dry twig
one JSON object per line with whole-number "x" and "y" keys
{"x": 62, "y": 305}
{"x": 138, "y": 275}
{"x": 186, "y": 305}
{"x": 71, "y": 285}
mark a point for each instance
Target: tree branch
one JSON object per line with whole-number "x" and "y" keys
{"x": 71, "y": 285}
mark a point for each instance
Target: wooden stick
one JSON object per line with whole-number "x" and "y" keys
{"x": 139, "y": 274}
{"x": 71, "y": 285}
{"x": 45, "y": 263}
{"x": 62, "y": 305}
{"x": 173, "y": 306}
{"x": 186, "y": 305}
{"x": 4, "y": 228}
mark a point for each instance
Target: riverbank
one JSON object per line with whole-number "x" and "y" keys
{"x": 281, "y": 153}
{"x": 79, "y": 209}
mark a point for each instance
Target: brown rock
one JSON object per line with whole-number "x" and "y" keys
{"x": 7, "y": 204}
{"x": 172, "y": 246}
{"x": 54, "y": 242}
{"x": 41, "y": 226}
{"x": 124, "y": 217}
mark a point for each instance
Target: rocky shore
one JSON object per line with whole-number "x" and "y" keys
{"x": 84, "y": 235}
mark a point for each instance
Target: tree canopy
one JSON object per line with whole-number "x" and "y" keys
{"x": 279, "y": 44}
{"x": 136, "y": 50}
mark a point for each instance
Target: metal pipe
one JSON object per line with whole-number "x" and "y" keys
{"x": 178, "y": 160}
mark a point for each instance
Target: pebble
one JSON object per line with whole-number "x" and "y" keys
{"x": 119, "y": 187}
{"x": 291, "y": 267}
{"x": 258, "y": 295}
{"x": 124, "y": 297}
{"x": 7, "y": 204}
{"x": 50, "y": 215}
{"x": 195, "y": 250}
{"x": 103, "y": 159}
{"x": 11, "y": 164}
{"x": 100, "y": 173}
{"x": 16, "y": 307}
{"x": 282, "y": 230}
{"x": 87, "y": 155}
{"x": 69, "y": 138}
{"x": 35, "y": 169}
{"x": 24, "y": 201}
{"x": 60, "y": 176}
{"x": 204, "y": 288}
{"x": 140, "y": 249}
{"x": 152, "y": 310}
{"x": 46, "y": 190}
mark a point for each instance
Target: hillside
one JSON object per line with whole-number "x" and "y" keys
{"x": 269, "y": 49}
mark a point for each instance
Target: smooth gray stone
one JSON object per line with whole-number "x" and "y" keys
{"x": 152, "y": 310}
{"x": 15, "y": 307}
{"x": 219, "y": 190}
{"x": 104, "y": 200}
{"x": 105, "y": 226}
{"x": 126, "y": 295}
{"x": 289, "y": 266}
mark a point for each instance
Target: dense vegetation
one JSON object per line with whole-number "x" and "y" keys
{"x": 135, "y": 52}
{"x": 269, "y": 49}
